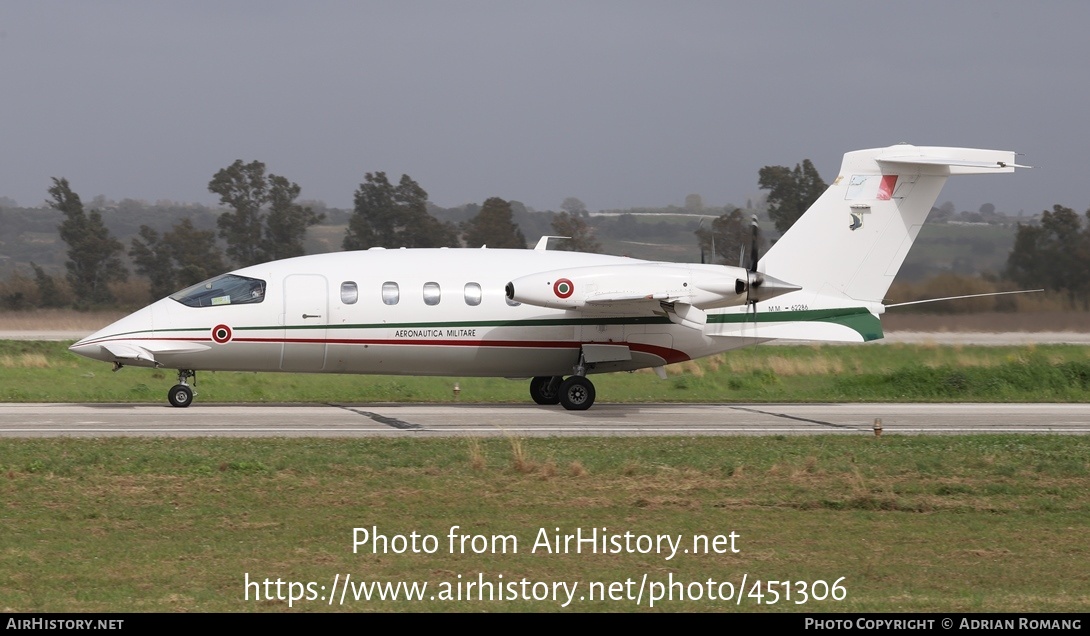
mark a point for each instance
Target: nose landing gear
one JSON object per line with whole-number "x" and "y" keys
{"x": 181, "y": 395}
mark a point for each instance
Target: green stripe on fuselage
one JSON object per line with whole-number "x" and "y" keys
{"x": 858, "y": 319}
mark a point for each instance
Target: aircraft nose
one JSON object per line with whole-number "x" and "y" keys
{"x": 87, "y": 348}
{"x": 95, "y": 345}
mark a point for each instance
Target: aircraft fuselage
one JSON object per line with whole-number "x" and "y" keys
{"x": 399, "y": 312}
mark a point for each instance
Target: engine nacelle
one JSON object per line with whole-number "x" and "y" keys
{"x": 702, "y": 286}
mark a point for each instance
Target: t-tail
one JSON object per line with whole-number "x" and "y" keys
{"x": 845, "y": 251}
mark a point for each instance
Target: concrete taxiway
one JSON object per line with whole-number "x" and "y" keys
{"x": 454, "y": 420}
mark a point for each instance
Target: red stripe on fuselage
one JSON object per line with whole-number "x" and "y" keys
{"x": 669, "y": 355}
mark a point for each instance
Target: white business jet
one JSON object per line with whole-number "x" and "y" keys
{"x": 550, "y": 314}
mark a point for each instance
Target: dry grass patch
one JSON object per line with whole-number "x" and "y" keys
{"x": 965, "y": 360}
{"x": 809, "y": 467}
{"x": 57, "y": 320}
{"x": 520, "y": 459}
{"x": 477, "y": 460}
{"x": 787, "y": 365}
{"x": 693, "y": 367}
{"x": 666, "y": 502}
{"x": 521, "y": 462}
{"x": 25, "y": 361}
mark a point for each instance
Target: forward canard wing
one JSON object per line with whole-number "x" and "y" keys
{"x": 142, "y": 353}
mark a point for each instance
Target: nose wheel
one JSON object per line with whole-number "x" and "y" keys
{"x": 181, "y": 394}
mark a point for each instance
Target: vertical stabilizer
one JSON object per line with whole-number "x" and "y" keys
{"x": 854, "y": 238}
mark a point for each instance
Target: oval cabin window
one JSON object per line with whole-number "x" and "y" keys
{"x": 390, "y": 293}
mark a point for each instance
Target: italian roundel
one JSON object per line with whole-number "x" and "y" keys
{"x": 221, "y": 334}
{"x": 563, "y": 288}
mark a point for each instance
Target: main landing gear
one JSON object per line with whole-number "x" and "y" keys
{"x": 181, "y": 395}
{"x": 575, "y": 394}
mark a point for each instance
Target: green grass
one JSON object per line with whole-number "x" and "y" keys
{"x": 960, "y": 523}
{"x": 47, "y": 372}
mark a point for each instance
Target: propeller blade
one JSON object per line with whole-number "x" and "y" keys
{"x": 753, "y": 252}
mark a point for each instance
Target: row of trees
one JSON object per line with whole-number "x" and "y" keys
{"x": 264, "y": 222}
{"x": 1054, "y": 255}
{"x": 386, "y": 215}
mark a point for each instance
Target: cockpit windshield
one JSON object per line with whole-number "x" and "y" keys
{"x": 228, "y": 289}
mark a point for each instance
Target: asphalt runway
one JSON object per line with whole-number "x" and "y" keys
{"x": 467, "y": 420}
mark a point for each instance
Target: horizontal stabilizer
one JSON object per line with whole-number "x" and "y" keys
{"x": 924, "y": 161}
{"x": 958, "y": 160}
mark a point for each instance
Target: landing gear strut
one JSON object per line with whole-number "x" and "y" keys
{"x": 181, "y": 395}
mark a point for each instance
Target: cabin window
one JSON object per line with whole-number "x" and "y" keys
{"x": 390, "y": 293}
{"x": 350, "y": 293}
{"x": 473, "y": 294}
{"x": 228, "y": 289}
{"x": 431, "y": 293}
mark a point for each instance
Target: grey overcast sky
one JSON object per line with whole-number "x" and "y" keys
{"x": 620, "y": 103}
